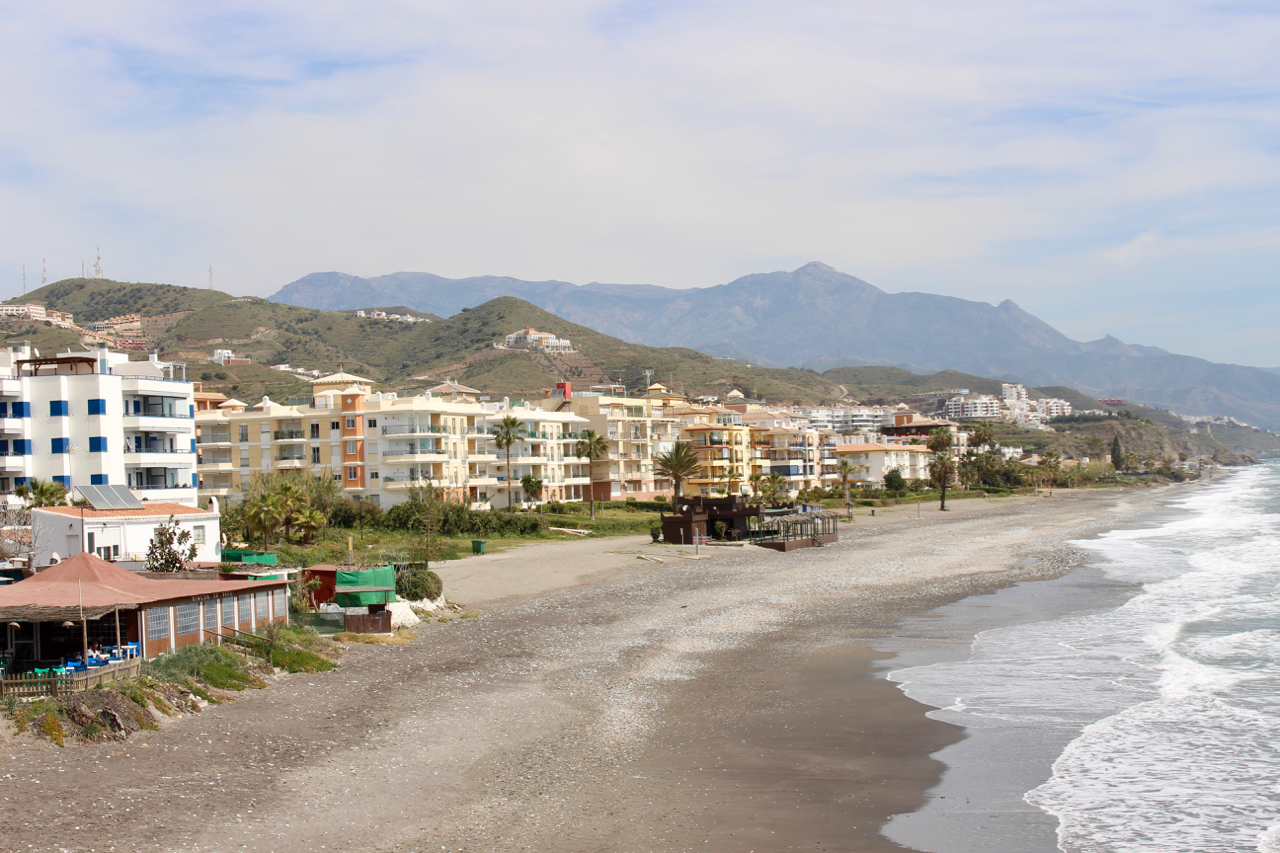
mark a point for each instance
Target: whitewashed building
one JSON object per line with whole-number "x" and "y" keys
{"x": 118, "y": 535}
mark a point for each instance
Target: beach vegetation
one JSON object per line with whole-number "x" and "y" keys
{"x": 507, "y": 434}
{"x": 592, "y": 446}
{"x": 679, "y": 464}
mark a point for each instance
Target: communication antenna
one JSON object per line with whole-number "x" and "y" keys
{"x": 211, "y": 276}
{"x": 24, "y": 279}
{"x": 44, "y": 272}
{"x": 648, "y": 378}
{"x": 97, "y": 265}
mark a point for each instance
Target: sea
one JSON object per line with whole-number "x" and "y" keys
{"x": 1131, "y": 705}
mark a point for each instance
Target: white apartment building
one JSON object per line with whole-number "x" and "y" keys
{"x": 876, "y": 460}
{"x": 974, "y": 407}
{"x": 120, "y": 535}
{"x": 548, "y": 452}
{"x": 1052, "y": 407}
{"x": 1014, "y": 393}
{"x": 96, "y": 418}
{"x": 848, "y": 418}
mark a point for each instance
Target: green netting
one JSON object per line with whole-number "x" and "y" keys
{"x": 382, "y": 576}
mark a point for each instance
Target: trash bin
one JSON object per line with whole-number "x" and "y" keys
{"x": 477, "y": 546}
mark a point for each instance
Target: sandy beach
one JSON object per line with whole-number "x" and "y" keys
{"x": 601, "y": 702}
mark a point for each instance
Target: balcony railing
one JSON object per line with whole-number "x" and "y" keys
{"x": 289, "y": 435}
{"x": 414, "y": 429}
{"x": 224, "y": 438}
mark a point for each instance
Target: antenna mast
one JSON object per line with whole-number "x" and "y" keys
{"x": 24, "y": 279}
{"x": 97, "y": 265}
{"x": 211, "y": 276}
{"x": 44, "y": 272}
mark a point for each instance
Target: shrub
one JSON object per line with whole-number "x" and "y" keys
{"x": 419, "y": 583}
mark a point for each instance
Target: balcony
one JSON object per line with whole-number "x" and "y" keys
{"x": 159, "y": 458}
{"x": 289, "y": 435}
{"x": 414, "y": 429}
{"x": 14, "y": 462}
{"x": 214, "y": 438}
{"x": 409, "y": 454}
{"x": 402, "y": 483}
{"x": 216, "y": 465}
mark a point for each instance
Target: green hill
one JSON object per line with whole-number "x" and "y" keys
{"x": 98, "y": 299}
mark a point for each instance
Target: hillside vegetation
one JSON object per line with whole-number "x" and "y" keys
{"x": 99, "y": 299}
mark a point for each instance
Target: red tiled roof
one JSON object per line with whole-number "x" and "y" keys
{"x": 159, "y": 508}
{"x": 90, "y": 582}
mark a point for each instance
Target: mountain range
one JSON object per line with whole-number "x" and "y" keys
{"x": 818, "y": 317}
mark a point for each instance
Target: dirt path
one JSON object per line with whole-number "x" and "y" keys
{"x": 634, "y": 707}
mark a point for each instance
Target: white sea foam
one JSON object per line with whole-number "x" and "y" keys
{"x": 1176, "y": 694}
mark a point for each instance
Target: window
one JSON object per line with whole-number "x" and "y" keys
{"x": 261, "y": 602}
{"x": 158, "y": 623}
{"x": 351, "y": 448}
{"x": 351, "y": 422}
{"x": 197, "y": 534}
{"x": 211, "y": 616}
{"x": 97, "y": 407}
{"x": 59, "y": 445}
{"x": 62, "y": 480}
{"x": 279, "y": 602}
{"x": 97, "y": 444}
{"x": 353, "y": 473}
{"x": 244, "y": 432}
{"x": 244, "y": 459}
{"x": 337, "y": 477}
{"x": 99, "y": 480}
{"x": 22, "y": 447}
{"x": 315, "y": 456}
{"x": 188, "y": 618}
{"x": 373, "y": 423}
{"x": 59, "y": 409}
{"x": 4, "y": 410}
{"x": 228, "y": 611}
{"x": 246, "y": 608}
{"x": 335, "y": 426}
{"x": 21, "y": 409}
{"x": 373, "y": 475}
{"x": 315, "y": 429}
{"x": 20, "y": 481}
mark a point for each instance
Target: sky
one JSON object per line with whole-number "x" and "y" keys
{"x": 1112, "y": 167}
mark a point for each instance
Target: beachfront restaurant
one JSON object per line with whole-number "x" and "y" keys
{"x": 787, "y": 530}
{"x": 54, "y": 621}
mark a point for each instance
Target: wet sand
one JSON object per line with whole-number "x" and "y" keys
{"x": 728, "y": 703}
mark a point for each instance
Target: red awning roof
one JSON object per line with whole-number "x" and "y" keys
{"x": 100, "y": 587}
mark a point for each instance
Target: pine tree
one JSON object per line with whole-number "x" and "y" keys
{"x": 1116, "y": 453}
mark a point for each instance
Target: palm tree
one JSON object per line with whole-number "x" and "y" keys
{"x": 263, "y": 515}
{"x": 509, "y": 432}
{"x": 310, "y": 521}
{"x": 679, "y": 463}
{"x": 593, "y": 446}
{"x": 292, "y": 501}
{"x": 846, "y": 470}
{"x": 773, "y": 486}
{"x": 984, "y": 435}
{"x": 942, "y": 468}
{"x": 39, "y": 493}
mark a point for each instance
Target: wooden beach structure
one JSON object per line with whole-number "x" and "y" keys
{"x": 64, "y": 611}
{"x": 733, "y": 519}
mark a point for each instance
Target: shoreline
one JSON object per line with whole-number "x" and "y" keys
{"x": 628, "y": 705}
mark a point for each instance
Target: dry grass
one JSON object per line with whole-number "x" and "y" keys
{"x": 401, "y": 637}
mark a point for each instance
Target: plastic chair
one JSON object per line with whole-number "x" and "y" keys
{"x": 39, "y": 671}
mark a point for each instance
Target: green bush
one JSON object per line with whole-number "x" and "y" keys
{"x": 418, "y": 583}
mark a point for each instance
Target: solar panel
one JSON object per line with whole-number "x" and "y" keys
{"x": 124, "y": 496}
{"x": 109, "y": 497}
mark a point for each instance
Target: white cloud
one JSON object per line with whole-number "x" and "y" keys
{"x": 987, "y": 150}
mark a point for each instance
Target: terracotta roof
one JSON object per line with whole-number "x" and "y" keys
{"x": 84, "y": 580}
{"x": 157, "y": 508}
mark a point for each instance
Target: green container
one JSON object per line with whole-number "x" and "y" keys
{"x": 477, "y": 546}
